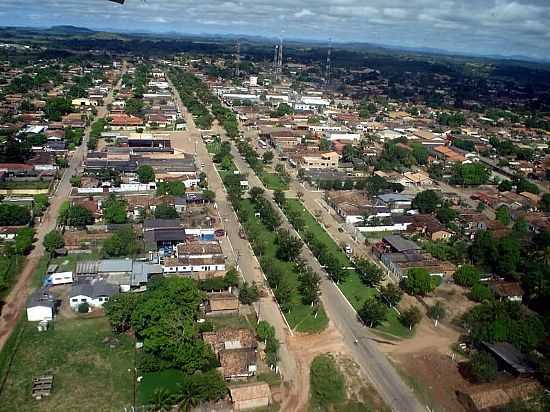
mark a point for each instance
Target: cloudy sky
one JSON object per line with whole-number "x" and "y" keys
{"x": 503, "y": 27}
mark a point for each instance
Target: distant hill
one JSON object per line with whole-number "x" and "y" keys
{"x": 71, "y": 30}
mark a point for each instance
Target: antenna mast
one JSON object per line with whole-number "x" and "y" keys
{"x": 328, "y": 67}
{"x": 238, "y": 59}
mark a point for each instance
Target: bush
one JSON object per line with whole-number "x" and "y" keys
{"x": 480, "y": 293}
{"x": 467, "y": 275}
{"x": 420, "y": 282}
{"x": 483, "y": 367}
{"x": 83, "y": 308}
{"x": 327, "y": 383}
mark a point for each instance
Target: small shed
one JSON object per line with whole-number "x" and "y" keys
{"x": 40, "y": 306}
{"x": 250, "y": 396}
{"x": 222, "y": 304}
{"x": 510, "y": 358}
{"x": 511, "y": 291}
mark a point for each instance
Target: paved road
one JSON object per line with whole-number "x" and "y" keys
{"x": 15, "y": 301}
{"x": 249, "y": 266}
{"x": 373, "y": 362}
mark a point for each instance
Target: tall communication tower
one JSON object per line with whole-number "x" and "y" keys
{"x": 275, "y": 59}
{"x": 328, "y": 66}
{"x": 238, "y": 59}
{"x": 280, "y": 57}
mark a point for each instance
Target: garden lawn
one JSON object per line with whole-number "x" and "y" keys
{"x": 300, "y": 317}
{"x": 273, "y": 181}
{"x": 214, "y": 147}
{"x": 355, "y": 291}
{"x": 88, "y": 374}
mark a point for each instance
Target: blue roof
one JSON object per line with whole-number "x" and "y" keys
{"x": 395, "y": 197}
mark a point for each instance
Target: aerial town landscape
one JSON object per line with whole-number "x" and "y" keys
{"x": 234, "y": 223}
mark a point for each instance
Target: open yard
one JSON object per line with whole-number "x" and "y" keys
{"x": 273, "y": 181}
{"x": 353, "y": 288}
{"x": 300, "y": 317}
{"x": 89, "y": 366}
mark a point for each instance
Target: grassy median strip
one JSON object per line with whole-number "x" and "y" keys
{"x": 300, "y": 317}
{"x": 273, "y": 181}
{"x": 355, "y": 291}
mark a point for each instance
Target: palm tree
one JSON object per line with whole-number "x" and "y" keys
{"x": 161, "y": 400}
{"x": 188, "y": 398}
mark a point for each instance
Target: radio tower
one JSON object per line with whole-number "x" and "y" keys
{"x": 238, "y": 59}
{"x": 275, "y": 59}
{"x": 280, "y": 57}
{"x": 328, "y": 67}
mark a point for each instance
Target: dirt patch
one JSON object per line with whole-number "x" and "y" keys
{"x": 435, "y": 378}
{"x": 357, "y": 387}
{"x": 305, "y": 348}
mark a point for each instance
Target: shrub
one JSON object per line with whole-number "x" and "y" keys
{"x": 327, "y": 383}
{"x": 467, "y": 275}
{"x": 483, "y": 367}
{"x": 480, "y": 293}
{"x": 83, "y": 307}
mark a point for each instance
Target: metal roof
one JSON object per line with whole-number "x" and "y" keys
{"x": 115, "y": 265}
{"x": 400, "y": 244}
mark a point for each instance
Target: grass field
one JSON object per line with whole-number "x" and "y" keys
{"x": 300, "y": 317}
{"x": 168, "y": 379}
{"x": 273, "y": 181}
{"x": 353, "y": 288}
{"x": 89, "y": 375}
{"x": 25, "y": 185}
{"x": 10, "y": 267}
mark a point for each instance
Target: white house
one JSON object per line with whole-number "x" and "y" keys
{"x": 40, "y": 306}
{"x": 94, "y": 293}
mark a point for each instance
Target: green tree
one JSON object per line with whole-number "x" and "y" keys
{"x": 121, "y": 244}
{"x": 146, "y": 174}
{"x": 419, "y": 282}
{"x": 114, "y": 210}
{"x": 133, "y": 107}
{"x": 470, "y": 174}
{"x": 75, "y": 181}
{"x": 24, "y": 239}
{"x": 505, "y": 186}
{"x": 503, "y": 215}
{"x": 373, "y": 312}
{"x": 279, "y": 197}
{"x": 426, "y": 201}
{"x": 248, "y": 294}
{"x": 164, "y": 211}
{"x": 264, "y": 331}
{"x": 370, "y": 273}
{"x": 327, "y": 384}
{"x": 267, "y": 157}
{"x": 289, "y": 246}
{"x": 467, "y": 275}
{"x": 119, "y": 309}
{"x": 480, "y": 293}
{"x": 14, "y": 215}
{"x": 79, "y": 216}
{"x": 483, "y": 367}
{"x": 53, "y": 240}
{"x": 544, "y": 204}
{"x": 411, "y": 317}
{"x": 256, "y": 193}
{"x": 437, "y": 311}
{"x": 392, "y": 293}
{"x": 310, "y": 290}
{"x": 446, "y": 215}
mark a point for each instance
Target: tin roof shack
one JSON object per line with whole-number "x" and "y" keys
{"x": 489, "y": 398}
{"x": 250, "y": 396}
{"x": 510, "y": 359}
{"x": 236, "y": 351}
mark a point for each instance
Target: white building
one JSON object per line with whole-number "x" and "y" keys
{"x": 40, "y": 306}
